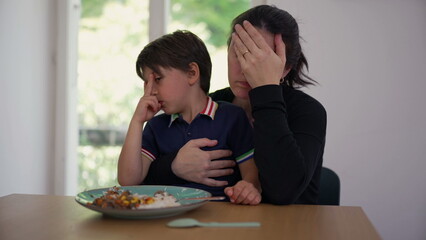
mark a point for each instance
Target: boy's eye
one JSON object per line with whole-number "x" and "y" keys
{"x": 157, "y": 79}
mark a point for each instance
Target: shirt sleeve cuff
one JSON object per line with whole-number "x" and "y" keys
{"x": 266, "y": 96}
{"x": 248, "y": 155}
{"x": 148, "y": 154}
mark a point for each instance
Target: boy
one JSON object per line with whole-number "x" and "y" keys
{"x": 176, "y": 71}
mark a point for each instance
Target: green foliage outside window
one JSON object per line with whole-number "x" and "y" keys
{"x": 216, "y": 14}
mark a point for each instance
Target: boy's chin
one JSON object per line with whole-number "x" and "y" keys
{"x": 166, "y": 111}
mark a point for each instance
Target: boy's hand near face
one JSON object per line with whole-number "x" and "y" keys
{"x": 131, "y": 170}
{"x": 243, "y": 193}
{"x": 148, "y": 105}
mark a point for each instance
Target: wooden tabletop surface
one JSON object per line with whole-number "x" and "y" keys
{"x": 24, "y": 216}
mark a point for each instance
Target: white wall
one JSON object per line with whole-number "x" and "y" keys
{"x": 370, "y": 59}
{"x": 27, "y": 83}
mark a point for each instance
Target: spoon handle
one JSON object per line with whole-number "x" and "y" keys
{"x": 204, "y": 198}
{"x": 231, "y": 224}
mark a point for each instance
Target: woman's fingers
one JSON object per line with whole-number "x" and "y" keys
{"x": 264, "y": 62}
{"x": 214, "y": 183}
{"x": 255, "y": 36}
{"x": 196, "y": 165}
{"x": 249, "y": 38}
{"x": 201, "y": 142}
{"x": 244, "y": 41}
{"x": 219, "y": 173}
{"x": 220, "y": 153}
{"x": 279, "y": 47}
{"x": 239, "y": 48}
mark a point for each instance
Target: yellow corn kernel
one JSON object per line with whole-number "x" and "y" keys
{"x": 149, "y": 200}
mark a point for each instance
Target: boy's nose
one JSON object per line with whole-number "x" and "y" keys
{"x": 154, "y": 89}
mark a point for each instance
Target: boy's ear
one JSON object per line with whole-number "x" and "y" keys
{"x": 193, "y": 73}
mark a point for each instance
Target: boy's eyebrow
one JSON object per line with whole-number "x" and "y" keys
{"x": 154, "y": 70}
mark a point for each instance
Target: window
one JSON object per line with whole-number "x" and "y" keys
{"x": 211, "y": 21}
{"x": 112, "y": 33}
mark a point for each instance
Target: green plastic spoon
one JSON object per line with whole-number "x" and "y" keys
{"x": 190, "y": 222}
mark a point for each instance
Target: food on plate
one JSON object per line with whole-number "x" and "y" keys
{"x": 119, "y": 198}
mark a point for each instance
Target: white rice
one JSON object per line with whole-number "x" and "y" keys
{"x": 162, "y": 200}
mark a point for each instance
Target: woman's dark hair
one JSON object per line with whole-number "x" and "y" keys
{"x": 177, "y": 50}
{"x": 278, "y": 21}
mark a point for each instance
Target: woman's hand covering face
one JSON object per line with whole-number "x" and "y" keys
{"x": 260, "y": 53}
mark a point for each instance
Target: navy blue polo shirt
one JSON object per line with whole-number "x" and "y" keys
{"x": 220, "y": 121}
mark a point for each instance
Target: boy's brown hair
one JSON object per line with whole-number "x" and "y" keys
{"x": 177, "y": 50}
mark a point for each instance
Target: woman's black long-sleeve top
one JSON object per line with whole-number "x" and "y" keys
{"x": 289, "y": 132}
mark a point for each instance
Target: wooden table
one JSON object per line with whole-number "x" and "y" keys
{"x": 46, "y": 217}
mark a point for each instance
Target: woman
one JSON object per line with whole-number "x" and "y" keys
{"x": 265, "y": 64}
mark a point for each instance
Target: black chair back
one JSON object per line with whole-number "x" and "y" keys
{"x": 329, "y": 190}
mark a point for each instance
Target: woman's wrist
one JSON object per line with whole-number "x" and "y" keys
{"x": 266, "y": 97}
{"x": 266, "y": 91}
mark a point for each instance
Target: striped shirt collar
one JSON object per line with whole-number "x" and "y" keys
{"x": 209, "y": 110}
